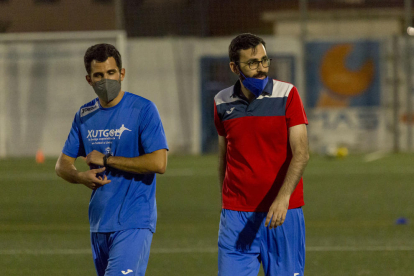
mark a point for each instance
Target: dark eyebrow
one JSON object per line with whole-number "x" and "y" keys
{"x": 255, "y": 59}
{"x": 100, "y": 73}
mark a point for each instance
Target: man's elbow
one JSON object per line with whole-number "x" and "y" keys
{"x": 161, "y": 162}
{"x": 306, "y": 157}
{"x": 302, "y": 156}
{"x": 57, "y": 170}
{"x": 161, "y": 168}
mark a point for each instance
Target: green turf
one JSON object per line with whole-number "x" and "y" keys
{"x": 350, "y": 213}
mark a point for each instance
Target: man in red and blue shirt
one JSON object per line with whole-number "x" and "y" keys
{"x": 263, "y": 151}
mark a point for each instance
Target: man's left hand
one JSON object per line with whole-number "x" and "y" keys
{"x": 277, "y": 212}
{"x": 95, "y": 157}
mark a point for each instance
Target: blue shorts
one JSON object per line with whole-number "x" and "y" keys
{"x": 244, "y": 242}
{"x": 121, "y": 253}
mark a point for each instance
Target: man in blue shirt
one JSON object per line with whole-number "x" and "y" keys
{"x": 123, "y": 140}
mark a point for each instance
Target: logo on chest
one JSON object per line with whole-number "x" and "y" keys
{"x": 89, "y": 109}
{"x": 230, "y": 111}
{"x": 107, "y": 135}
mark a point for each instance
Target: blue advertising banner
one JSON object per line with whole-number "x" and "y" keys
{"x": 343, "y": 95}
{"x": 343, "y": 74}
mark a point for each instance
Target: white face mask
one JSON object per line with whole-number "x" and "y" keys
{"x": 107, "y": 89}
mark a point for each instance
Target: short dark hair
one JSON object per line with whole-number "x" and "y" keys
{"x": 243, "y": 42}
{"x": 101, "y": 52}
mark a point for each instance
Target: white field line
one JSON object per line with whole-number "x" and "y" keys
{"x": 374, "y": 156}
{"x": 358, "y": 248}
{"x": 45, "y": 176}
{"x": 87, "y": 251}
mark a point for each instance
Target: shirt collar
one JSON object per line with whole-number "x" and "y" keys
{"x": 237, "y": 89}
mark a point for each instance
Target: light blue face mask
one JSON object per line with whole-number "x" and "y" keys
{"x": 256, "y": 86}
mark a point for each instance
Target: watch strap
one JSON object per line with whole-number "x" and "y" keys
{"x": 105, "y": 159}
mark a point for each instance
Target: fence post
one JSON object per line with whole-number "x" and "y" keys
{"x": 396, "y": 104}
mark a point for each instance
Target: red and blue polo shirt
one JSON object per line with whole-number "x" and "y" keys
{"x": 258, "y": 149}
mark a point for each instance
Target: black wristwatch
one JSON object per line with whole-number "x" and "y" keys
{"x": 105, "y": 159}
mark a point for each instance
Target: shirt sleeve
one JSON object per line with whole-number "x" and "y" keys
{"x": 295, "y": 113}
{"x": 151, "y": 131}
{"x": 219, "y": 125}
{"x": 74, "y": 144}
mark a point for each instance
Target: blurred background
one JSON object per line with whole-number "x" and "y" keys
{"x": 351, "y": 60}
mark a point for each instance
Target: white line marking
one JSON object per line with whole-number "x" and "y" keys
{"x": 184, "y": 250}
{"x": 46, "y": 227}
{"x": 358, "y": 248}
{"x": 42, "y": 176}
{"x": 374, "y": 156}
{"x": 212, "y": 173}
{"x": 45, "y": 176}
{"x": 87, "y": 251}
{"x": 45, "y": 251}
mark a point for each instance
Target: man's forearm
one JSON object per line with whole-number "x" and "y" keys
{"x": 145, "y": 164}
{"x": 294, "y": 174}
{"x": 222, "y": 143}
{"x": 222, "y": 171}
{"x": 68, "y": 172}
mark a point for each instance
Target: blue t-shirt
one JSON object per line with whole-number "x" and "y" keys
{"x": 131, "y": 128}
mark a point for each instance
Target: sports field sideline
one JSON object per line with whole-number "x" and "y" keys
{"x": 351, "y": 208}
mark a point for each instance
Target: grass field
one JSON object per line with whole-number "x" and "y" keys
{"x": 351, "y": 209}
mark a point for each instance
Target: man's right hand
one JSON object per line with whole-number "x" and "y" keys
{"x": 90, "y": 180}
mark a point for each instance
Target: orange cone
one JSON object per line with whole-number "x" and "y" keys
{"x": 40, "y": 157}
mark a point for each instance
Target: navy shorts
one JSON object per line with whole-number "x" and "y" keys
{"x": 121, "y": 253}
{"x": 244, "y": 242}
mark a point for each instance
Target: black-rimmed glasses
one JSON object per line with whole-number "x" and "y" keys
{"x": 253, "y": 65}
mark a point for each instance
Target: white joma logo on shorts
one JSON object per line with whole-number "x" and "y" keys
{"x": 127, "y": 272}
{"x": 296, "y": 274}
{"x": 230, "y": 111}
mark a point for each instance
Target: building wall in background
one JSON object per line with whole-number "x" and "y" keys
{"x": 353, "y": 27}
{"x": 164, "y": 17}
{"x": 45, "y": 85}
{"x": 42, "y": 85}
{"x": 56, "y": 15}
{"x": 375, "y": 22}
